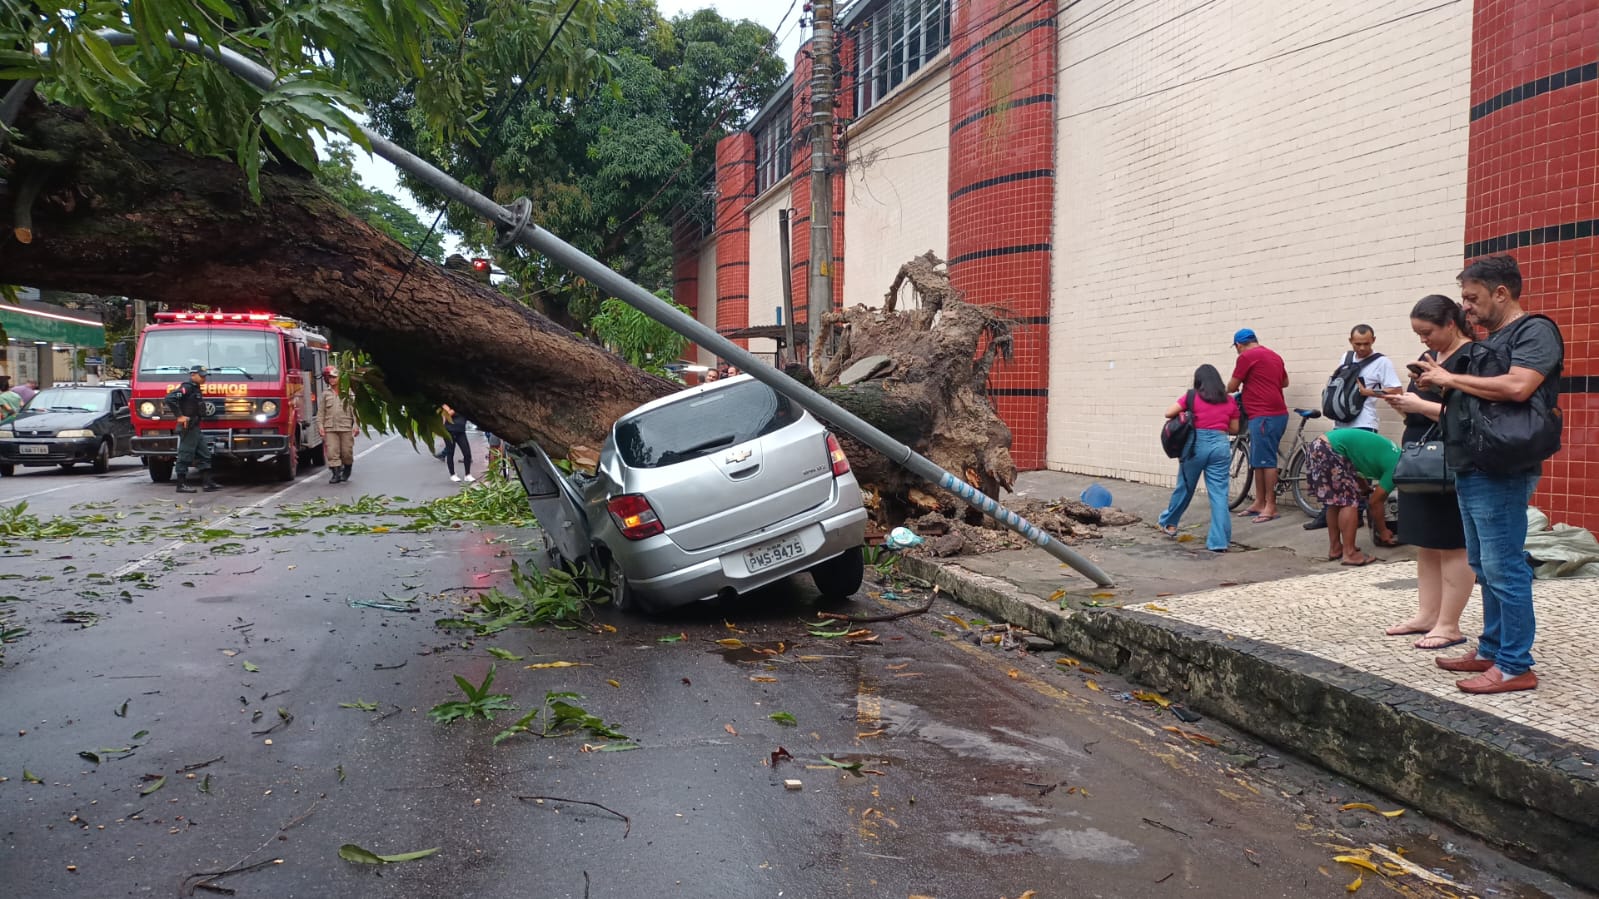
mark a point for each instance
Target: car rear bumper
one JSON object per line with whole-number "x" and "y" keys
{"x": 238, "y": 444}
{"x": 670, "y": 576}
{"x": 48, "y": 451}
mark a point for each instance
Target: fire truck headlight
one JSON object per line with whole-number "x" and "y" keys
{"x": 269, "y": 408}
{"x": 147, "y": 409}
{"x": 260, "y": 418}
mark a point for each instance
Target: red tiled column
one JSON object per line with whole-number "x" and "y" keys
{"x": 735, "y": 187}
{"x": 1002, "y": 193}
{"x": 1533, "y": 191}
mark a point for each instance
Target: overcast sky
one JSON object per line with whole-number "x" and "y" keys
{"x": 378, "y": 174}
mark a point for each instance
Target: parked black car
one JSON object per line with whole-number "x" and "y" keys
{"x": 67, "y": 425}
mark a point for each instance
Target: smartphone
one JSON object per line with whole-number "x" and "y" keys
{"x": 1415, "y": 368}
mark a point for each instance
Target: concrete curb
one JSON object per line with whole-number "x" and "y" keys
{"x": 1534, "y": 795}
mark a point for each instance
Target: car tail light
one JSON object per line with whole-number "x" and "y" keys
{"x": 835, "y": 454}
{"x": 632, "y": 513}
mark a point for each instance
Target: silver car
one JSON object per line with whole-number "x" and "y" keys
{"x": 711, "y": 492}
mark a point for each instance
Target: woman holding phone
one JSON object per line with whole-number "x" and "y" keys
{"x": 1215, "y": 416}
{"x": 1431, "y": 521}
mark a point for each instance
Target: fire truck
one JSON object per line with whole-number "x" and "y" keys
{"x": 261, "y": 391}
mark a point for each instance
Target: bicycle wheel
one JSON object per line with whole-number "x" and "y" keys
{"x": 1299, "y": 483}
{"x": 1239, "y": 478}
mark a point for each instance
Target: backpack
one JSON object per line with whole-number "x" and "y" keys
{"x": 1502, "y": 437}
{"x": 1340, "y": 399}
{"x": 1178, "y": 432}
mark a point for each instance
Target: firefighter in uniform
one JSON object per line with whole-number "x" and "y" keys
{"x": 335, "y": 421}
{"x": 189, "y": 403}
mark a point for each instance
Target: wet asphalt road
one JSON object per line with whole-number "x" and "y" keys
{"x": 988, "y": 773}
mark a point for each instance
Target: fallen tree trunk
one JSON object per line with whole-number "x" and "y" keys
{"x": 122, "y": 215}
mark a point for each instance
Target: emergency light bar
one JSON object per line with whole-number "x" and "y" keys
{"x": 213, "y": 316}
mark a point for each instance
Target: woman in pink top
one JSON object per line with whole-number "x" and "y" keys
{"x": 1215, "y": 416}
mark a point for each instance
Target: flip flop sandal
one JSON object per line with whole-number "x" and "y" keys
{"x": 1437, "y": 646}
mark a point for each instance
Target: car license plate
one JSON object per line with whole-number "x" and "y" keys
{"x": 34, "y": 449}
{"x": 784, "y": 550}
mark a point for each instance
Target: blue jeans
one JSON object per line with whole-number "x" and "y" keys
{"x": 1265, "y": 436}
{"x": 1493, "y": 509}
{"x": 1207, "y": 457}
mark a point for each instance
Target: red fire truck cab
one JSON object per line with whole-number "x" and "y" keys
{"x": 261, "y": 388}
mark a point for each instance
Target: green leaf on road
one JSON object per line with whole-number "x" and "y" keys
{"x": 360, "y": 705}
{"x": 353, "y": 853}
{"x": 340, "y": 770}
{"x": 505, "y": 654}
{"x": 669, "y": 638}
{"x": 154, "y": 785}
{"x": 30, "y": 777}
{"x": 205, "y": 785}
{"x": 122, "y": 710}
{"x": 250, "y": 667}
{"x": 784, "y": 718}
{"x": 86, "y": 754}
{"x": 141, "y": 735}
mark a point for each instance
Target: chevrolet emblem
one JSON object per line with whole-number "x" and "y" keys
{"x": 738, "y": 455}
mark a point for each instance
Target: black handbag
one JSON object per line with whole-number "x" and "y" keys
{"x": 1178, "y": 432}
{"x": 1422, "y": 467}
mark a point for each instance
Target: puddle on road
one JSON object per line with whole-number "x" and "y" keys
{"x": 905, "y": 719}
{"x": 753, "y": 652}
{"x": 1087, "y": 844}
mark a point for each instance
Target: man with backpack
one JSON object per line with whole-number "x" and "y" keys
{"x": 1501, "y": 419}
{"x": 1350, "y": 398}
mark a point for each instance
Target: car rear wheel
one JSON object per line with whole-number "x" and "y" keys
{"x": 838, "y": 578}
{"x": 7, "y": 471}
{"x": 160, "y": 470}
{"x": 623, "y": 596}
{"x": 102, "y": 459}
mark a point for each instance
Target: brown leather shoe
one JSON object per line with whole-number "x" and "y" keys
{"x": 1494, "y": 681}
{"x": 1467, "y": 662}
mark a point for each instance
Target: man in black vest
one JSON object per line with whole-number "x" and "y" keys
{"x": 1493, "y": 505}
{"x": 192, "y": 445}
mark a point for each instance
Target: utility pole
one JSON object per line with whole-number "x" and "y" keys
{"x": 820, "y": 288}
{"x": 784, "y": 266}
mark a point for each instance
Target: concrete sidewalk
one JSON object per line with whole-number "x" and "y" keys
{"x": 1276, "y": 640}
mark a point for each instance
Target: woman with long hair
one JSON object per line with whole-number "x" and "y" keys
{"x": 1431, "y": 521}
{"x": 1215, "y": 416}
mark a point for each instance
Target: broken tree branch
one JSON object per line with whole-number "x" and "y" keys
{"x": 626, "y": 821}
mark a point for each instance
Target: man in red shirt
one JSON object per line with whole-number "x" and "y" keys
{"x": 1263, "y": 377}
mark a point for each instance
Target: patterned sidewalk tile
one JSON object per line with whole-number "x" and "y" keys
{"x": 1340, "y": 616}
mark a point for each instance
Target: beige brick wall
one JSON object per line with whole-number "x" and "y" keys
{"x": 1217, "y": 169}
{"x": 896, "y": 185}
{"x": 766, "y": 265}
{"x": 707, "y": 310}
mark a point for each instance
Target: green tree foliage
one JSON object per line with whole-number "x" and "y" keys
{"x": 378, "y": 209}
{"x": 319, "y": 48}
{"x": 644, "y": 342}
{"x": 605, "y": 168}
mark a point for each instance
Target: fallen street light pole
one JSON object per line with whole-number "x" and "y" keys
{"x": 514, "y": 226}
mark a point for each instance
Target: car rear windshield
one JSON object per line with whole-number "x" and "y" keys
{"x": 703, "y": 424}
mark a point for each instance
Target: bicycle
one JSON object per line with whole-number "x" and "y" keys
{"x": 1292, "y": 480}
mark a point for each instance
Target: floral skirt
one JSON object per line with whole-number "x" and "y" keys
{"x": 1332, "y": 477}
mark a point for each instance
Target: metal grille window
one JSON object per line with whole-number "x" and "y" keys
{"x": 774, "y": 144}
{"x": 893, "y": 41}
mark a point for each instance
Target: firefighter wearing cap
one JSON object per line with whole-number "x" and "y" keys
{"x": 335, "y": 421}
{"x": 189, "y": 404}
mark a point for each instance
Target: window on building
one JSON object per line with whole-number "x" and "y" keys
{"x": 774, "y": 142}
{"x": 893, "y": 40}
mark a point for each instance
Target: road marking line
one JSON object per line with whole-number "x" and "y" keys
{"x": 166, "y": 551}
{"x": 83, "y": 483}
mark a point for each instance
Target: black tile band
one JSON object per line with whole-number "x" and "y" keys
{"x": 1003, "y": 179}
{"x": 1579, "y": 384}
{"x": 743, "y": 230}
{"x": 1001, "y": 107}
{"x": 1018, "y": 391}
{"x": 733, "y": 296}
{"x": 1504, "y": 243}
{"x": 1571, "y": 76}
{"x": 732, "y": 264}
{"x": 999, "y": 251}
{"x": 1008, "y": 31}
{"x": 1031, "y": 320}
